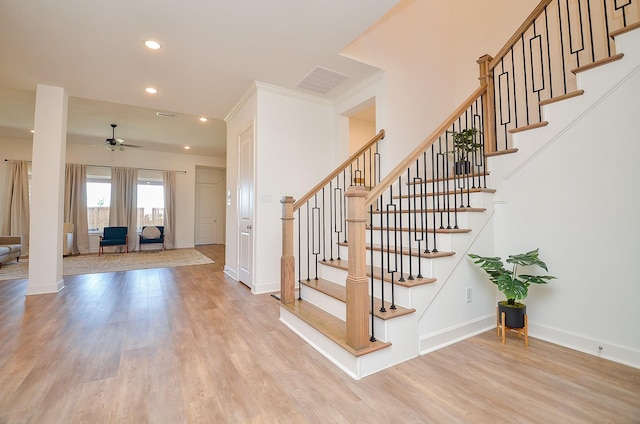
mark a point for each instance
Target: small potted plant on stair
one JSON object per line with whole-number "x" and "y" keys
{"x": 465, "y": 142}
{"x": 513, "y": 285}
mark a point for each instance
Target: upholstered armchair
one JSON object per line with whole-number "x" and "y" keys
{"x": 114, "y": 236}
{"x": 151, "y": 235}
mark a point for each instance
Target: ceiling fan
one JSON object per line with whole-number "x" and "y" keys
{"x": 115, "y": 144}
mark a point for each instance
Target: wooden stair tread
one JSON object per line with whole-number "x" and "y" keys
{"x": 502, "y": 152}
{"x": 624, "y": 30}
{"x": 458, "y": 209}
{"x": 529, "y": 127}
{"x": 598, "y": 63}
{"x": 377, "y": 273}
{"x": 451, "y": 178}
{"x": 449, "y": 192}
{"x": 339, "y": 292}
{"x": 329, "y": 325}
{"x": 560, "y": 98}
{"x": 428, "y": 230}
{"x": 406, "y": 251}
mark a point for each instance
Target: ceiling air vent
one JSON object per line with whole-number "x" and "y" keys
{"x": 322, "y": 80}
{"x": 165, "y": 115}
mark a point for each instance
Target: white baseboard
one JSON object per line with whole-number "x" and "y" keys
{"x": 611, "y": 351}
{"x": 45, "y": 288}
{"x": 230, "y": 272}
{"x": 448, "y": 336}
{"x": 266, "y": 288}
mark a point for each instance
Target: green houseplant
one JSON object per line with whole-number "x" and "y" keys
{"x": 464, "y": 143}
{"x": 514, "y": 285}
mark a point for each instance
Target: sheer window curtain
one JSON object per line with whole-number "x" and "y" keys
{"x": 15, "y": 219}
{"x": 169, "y": 183}
{"x": 75, "y": 205}
{"x": 124, "y": 202}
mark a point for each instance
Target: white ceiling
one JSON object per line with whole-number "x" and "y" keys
{"x": 212, "y": 52}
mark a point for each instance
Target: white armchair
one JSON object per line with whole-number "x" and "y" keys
{"x": 67, "y": 238}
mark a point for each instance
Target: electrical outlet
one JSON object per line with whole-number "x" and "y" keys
{"x": 467, "y": 295}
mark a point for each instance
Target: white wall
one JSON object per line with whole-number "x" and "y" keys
{"x": 360, "y": 131}
{"x": 294, "y": 149}
{"x": 95, "y": 155}
{"x": 428, "y": 52}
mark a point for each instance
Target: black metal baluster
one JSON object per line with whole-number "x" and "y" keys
{"x": 410, "y": 247}
{"x": 324, "y": 226}
{"x": 308, "y": 248}
{"x": 400, "y": 230}
{"x": 315, "y": 233}
{"x": 299, "y": 256}
{"x": 338, "y": 199}
{"x": 392, "y": 230}
{"x": 418, "y": 214}
{"x": 371, "y": 253}
{"x": 425, "y": 205}
{"x": 331, "y": 218}
{"x": 562, "y": 54}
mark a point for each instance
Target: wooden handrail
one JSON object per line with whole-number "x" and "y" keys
{"x": 298, "y": 204}
{"x": 402, "y": 166}
{"x": 516, "y": 35}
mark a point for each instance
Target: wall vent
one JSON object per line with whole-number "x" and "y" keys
{"x": 165, "y": 115}
{"x": 322, "y": 80}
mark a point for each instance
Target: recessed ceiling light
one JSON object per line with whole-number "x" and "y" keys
{"x": 32, "y": 132}
{"x": 203, "y": 119}
{"x": 187, "y": 147}
{"x": 151, "y": 90}
{"x": 153, "y": 45}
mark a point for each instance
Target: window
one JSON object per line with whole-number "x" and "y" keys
{"x": 98, "y": 201}
{"x": 150, "y": 206}
{"x": 150, "y": 201}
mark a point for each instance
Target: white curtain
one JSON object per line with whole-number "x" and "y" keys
{"x": 75, "y": 205}
{"x": 124, "y": 202}
{"x": 15, "y": 218}
{"x": 169, "y": 183}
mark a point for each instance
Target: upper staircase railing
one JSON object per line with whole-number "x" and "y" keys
{"x": 422, "y": 196}
{"x": 539, "y": 63}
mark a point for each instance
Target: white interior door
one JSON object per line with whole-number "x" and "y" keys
{"x": 246, "y": 207}
{"x": 206, "y": 219}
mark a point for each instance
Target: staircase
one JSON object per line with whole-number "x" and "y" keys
{"x": 374, "y": 269}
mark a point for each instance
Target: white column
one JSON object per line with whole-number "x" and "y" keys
{"x": 47, "y": 190}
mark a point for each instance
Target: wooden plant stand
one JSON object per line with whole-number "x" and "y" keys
{"x": 502, "y": 328}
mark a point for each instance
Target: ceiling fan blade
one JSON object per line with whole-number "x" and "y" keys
{"x": 130, "y": 145}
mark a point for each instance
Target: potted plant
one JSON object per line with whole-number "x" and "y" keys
{"x": 464, "y": 143}
{"x": 513, "y": 285}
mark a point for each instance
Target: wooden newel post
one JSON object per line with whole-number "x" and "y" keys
{"x": 488, "y": 104}
{"x": 357, "y": 288}
{"x": 287, "y": 262}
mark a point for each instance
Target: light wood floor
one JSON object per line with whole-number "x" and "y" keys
{"x": 190, "y": 345}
